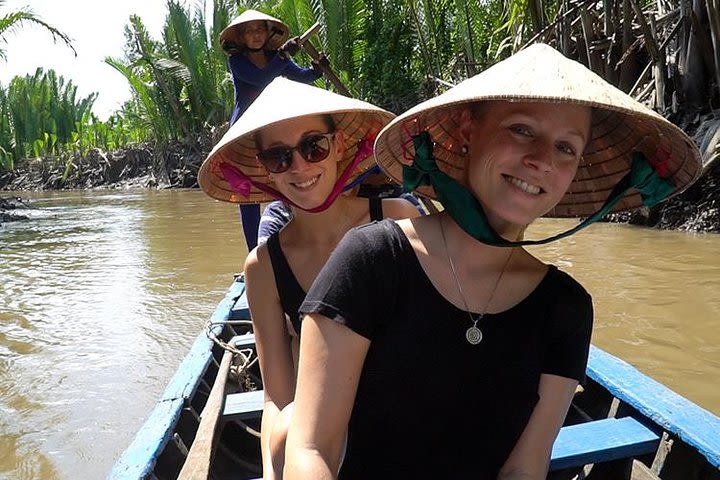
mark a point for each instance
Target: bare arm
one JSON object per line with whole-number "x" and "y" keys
{"x": 530, "y": 458}
{"x": 272, "y": 342}
{"x": 331, "y": 359}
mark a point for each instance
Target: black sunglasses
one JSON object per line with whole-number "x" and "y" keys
{"x": 313, "y": 148}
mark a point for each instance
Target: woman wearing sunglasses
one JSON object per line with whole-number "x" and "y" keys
{"x": 302, "y": 145}
{"x": 253, "y": 44}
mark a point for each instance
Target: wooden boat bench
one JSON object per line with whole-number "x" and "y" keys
{"x": 243, "y": 405}
{"x": 600, "y": 441}
{"x": 577, "y": 445}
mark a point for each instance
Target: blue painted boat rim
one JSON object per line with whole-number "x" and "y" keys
{"x": 694, "y": 425}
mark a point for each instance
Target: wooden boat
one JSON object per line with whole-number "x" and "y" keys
{"x": 623, "y": 424}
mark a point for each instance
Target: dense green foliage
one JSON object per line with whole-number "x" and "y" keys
{"x": 18, "y": 129}
{"x": 41, "y": 116}
{"x": 393, "y": 53}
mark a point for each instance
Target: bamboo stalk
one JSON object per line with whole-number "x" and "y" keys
{"x": 564, "y": 37}
{"x": 645, "y": 91}
{"x": 650, "y": 42}
{"x": 557, "y": 21}
{"x": 304, "y": 42}
{"x": 667, "y": 16}
{"x": 658, "y": 73}
{"x": 469, "y": 69}
{"x": 610, "y": 29}
{"x": 625, "y": 74}
{"x": 588, "y": 34}
{"x": 327, "y": 71}
{"x": 641, "y": 79}
{"x": 663, "y": 46}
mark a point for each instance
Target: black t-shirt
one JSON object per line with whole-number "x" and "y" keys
{"x": 429, "y": 404}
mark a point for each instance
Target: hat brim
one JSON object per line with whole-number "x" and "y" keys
{"x": 355, "y": 118}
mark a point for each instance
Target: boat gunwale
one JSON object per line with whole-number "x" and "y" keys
{"x": 694, "y": 425}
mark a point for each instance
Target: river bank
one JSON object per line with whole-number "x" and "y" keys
{"x": 176, "y": 166}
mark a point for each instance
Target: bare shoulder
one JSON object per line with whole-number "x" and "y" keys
{"x": 398, "y": 208}
{"x": 262, "y": 294}
{"x": 257, "y": 266}
{"x": 419, "y": 231}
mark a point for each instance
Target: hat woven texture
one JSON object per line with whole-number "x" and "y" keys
{"x": 539, "y": 73}
{"x": 233, "y": 32}
{"x": 283, "y": 100}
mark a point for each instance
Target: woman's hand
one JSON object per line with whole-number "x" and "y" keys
{"x": 290, "y": 48}
{"x": 321, "y": 64}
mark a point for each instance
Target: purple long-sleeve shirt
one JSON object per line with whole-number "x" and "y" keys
{"x": 250, "y": 80}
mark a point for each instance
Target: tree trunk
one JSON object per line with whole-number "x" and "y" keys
{"x": 628, "y": 72}
{"x": 713, "y": 12}
{"x": 694, "y": 79}
{"x": 612, "y": 27}
{"x": 159, "y": 170}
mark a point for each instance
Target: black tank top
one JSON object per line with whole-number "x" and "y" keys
{"x": 289, "y": 290}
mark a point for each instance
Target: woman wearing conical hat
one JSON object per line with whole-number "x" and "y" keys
{"x": 438, "y": 347}
{"x": 302, "y": 145}
{"x": 252, "y": 42}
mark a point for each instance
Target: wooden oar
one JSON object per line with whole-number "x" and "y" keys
{"x": 310, "y": 49}
{"x": 308, "y": 33}
{"x": 197, "y": 463}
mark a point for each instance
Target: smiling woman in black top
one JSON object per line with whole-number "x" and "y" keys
{"x": 438, "y": 347}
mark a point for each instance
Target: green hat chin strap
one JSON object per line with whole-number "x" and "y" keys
{"x": 464, "y": 208}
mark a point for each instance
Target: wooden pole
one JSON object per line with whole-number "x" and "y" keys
{"x": 308, "y": 33}
{"x": 197, "y": 463}
{"x": 303, "y": 42}
{"x": 327, "y": 71}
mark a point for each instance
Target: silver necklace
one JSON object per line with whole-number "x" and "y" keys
{"x": 473, "y": 334}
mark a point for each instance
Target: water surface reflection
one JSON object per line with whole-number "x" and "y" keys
{"x": 102, "y": 293}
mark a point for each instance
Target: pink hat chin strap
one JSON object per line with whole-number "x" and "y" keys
{"x": 242, "y": 184}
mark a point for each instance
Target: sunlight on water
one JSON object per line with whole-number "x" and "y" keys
{"x": 655, "y": 299}
{"x": 102, "y": 294}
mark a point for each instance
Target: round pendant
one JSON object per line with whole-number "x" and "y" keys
{"x": 473, "y": 335}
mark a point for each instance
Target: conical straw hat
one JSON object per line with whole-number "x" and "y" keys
{"x": 539, "y": 73}
{"x": 282, "y": 100}
{"x": 277, "y": 30}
